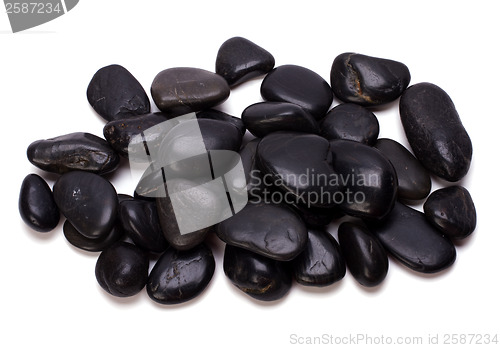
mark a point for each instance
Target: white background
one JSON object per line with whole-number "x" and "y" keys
{"x": 49, "y": 295}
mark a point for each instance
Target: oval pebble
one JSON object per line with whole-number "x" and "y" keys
{"x": 213, "y": 114}
{"x": 36, "y": 204}
{"x": 452, "y": 211}
{"x": 122, "y": 269}
{"x": 78, "y": 240}
{"x": 180, "y": 276}
{"x": 298, "y": 85}
{"x": 75, "y": 151}
{"x": 321, "y": 263}
{"x": 434, "y": 130}
{"x": 88, "y": 201}
{"x": 257, "y": 276}
{"x": 365, "y": 257}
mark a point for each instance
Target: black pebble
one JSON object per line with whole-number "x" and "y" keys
{"x": 91, "y": 244}
{"x": 222, "y": 116}
{"x": 239, "y": 60}
{"x": 452, "y": 211}
{"x": 115, "y": 94}
{"x": 350, "y": 122}
{"x": 36, "y": 204}
{"x": 259, "y": 277}
{"x": 122, "y": 269}
{"x": 179, "y": 276}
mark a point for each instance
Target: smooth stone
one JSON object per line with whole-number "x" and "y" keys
{"x": 120, "y": 133}
{"x": 122, "y": 269}
{"x": 214, "y": 114}
{"x": 413, "y": 241}
{"x": 321, "y": 263}
{"x": 272, "y": 230}
{"x": 140, "y": 222}
{"x": 78, "y": 240}
{"x": 267, "y": 117}
{"x": 183, "y": 90}
{"x": 199, "y": 196}
{"x": 452, "y": 211}
{"x": 260, "y": 277}
{"x": 369, "y": 179}
{"x": 364, "y": 255}
{"x": 350, "y": 122}
{"x": 36, "y": 204}
{"x": 368, "y": 81}
{"x": 253, "y": 175}
{"x": 74, "y": 151}
{"x": 298, "y": 164}
{"x": 414, "y": 181}
{"x": 180, "y": 276}
{"x": 317, "y": 217}
{"x": 434, "y": 130}
{"x": 298, "y": 85}
{"x": 115, "y": 93}
{"x": 124, "y": 197}
{"x": 88, "y": 201}
{"x": 240, "y": 60}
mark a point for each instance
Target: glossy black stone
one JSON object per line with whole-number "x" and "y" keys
{"x": 317, "y": 217}
{"x": 183, "y": 90}
{"x": 414, "y": 181}
{"x": 271, "y": 230}
{"x": 298, "y": 85}
{"x": 451, "y": 210}
{"x": 122, "y": 269}
{"x": 321, "y": 263}
{"x": 239, "y": 60}
{"x": 412, "y": 240}
{"x": 434, "y": 130}
{"x": 222, "y": 116}
{"x": 115, "y": 93}
{"x": 260, "y": 277}
{"x": 267, "y": 117}
{"x": 253, "y": 175}
{"x": 197, "y": 196}
{"x": 88, "y": 201}
{"x": 36, "y": 204}
{"x": 119, "y": 133}
{"x": 92, "y": 244}
{"x": 369, "y": 179}
{"x": 75, "y": 151}
{"x": 366, "y": 80}
{"x": 298, "y": 164}
{"x": 350, "y": 122}
{"x": 365, "y": 257}
{"x": 140, "y": 222}
{"x": 179, "y": 276}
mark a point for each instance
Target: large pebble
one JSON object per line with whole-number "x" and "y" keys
{"x": 271, "y": 230}
{"x": 122, "y": 269}
{"x": 258, "y": 276}
{"x": 321, "y": 263}
{"x": 115, "y": 93}
{"x": 36, "y": 204}
{"x": 78, "y": 240}
{"x": 267, "y": 117}
{"x": 183, "y": 90}
{"x": 88, "y": 201}
{"x": 365, "y": 257}
{"x": 120, "y": 133}
{"x": 239, "y": 60}
{"x": 369, "y": 179}
{"x": 434, "y": 130}
{"x": 214, "y": 114}
{"x": 74, "y": 151}
{"x": 140, "y": 222}
{"x": 414, "y": 181}
{"x": 350, "y": 122}
{"x": 298, "y": 164}
{"x": 452, "y": 211}
{"x": 368, "y": 81}
{"x": 298, "y": 85}
{"x": 412, "y": 240}
{"x": 179, "y": 276}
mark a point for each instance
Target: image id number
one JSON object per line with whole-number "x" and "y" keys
{"x": 32, "y": 7}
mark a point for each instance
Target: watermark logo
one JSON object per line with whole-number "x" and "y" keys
{"x": 204, "y": 187}
{"x": 28, "y": 14}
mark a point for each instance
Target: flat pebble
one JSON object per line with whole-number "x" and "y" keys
{"x": 78, "y": 240}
